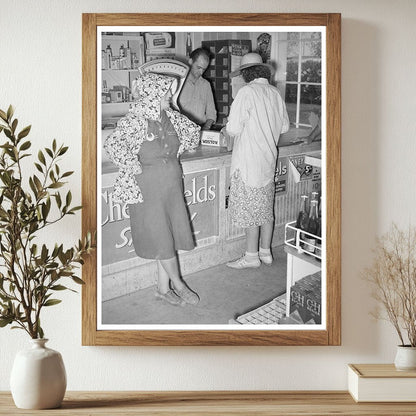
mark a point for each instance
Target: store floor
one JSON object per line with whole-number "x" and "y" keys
{"x": 224, "y": 294}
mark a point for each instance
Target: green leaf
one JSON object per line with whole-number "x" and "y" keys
{"x": 3, "y": 115}
{"x": 63, "y": 150}
{"x": 25, "y": 145}
{"x": 39, "y": 167}
{"x": 56, "y": 185}
{"x": 37, "y": 183}
{"x": 66, "y": 273}
{"x": 44, "y": 253}
{"x": 24, "y": 132}
{"x": 58, "y": 199}
{"x": 10, "y": 112}
{"x": 49, "y": 152}
{"x": 77, "y": 208}
{"x": 34, "y": 249}
{"x": 68, "y": 198}
{"x": 67, "y": 174}
{"x": 54, "y": 145}
{"x": 40, "y": 331}
{"x": 33, "y": 187}
{"x": 51, "y": 302}
{"x": 41, "y": 157}
{"x": 59, "y": 287}
{"x": 25, "y": 155}
{"x": 5, "y": 321}
{"x": 8, "y": 133}
{"x": 14, "y": 125}
{"x": 62, "y": 257}
{"x": 76, "y": 279}
{"x": 45, "y": 211}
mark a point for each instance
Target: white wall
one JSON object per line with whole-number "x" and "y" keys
{"x": 40, "y": 74}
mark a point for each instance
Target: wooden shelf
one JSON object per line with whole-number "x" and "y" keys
{"x": 266, "y": 403}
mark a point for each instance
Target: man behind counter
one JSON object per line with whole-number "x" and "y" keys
{"x": 196, "y": 100}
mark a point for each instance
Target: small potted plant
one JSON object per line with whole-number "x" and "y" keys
{"x": 31, "y": 273}
{"x": 393, "y": 277}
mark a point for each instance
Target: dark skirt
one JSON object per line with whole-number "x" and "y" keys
{"x": 160, "y": 225}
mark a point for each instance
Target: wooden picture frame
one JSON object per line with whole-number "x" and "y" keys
{"x": 331, "y": 332}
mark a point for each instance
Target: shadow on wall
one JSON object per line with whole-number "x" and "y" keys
{"x": 361, "y": 55}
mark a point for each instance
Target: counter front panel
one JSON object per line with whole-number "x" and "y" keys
{"x": 206, "y": 192}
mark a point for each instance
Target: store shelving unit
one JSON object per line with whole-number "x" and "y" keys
{"x": 226, "y": 55}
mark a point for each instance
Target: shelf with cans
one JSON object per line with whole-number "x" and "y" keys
{"x": 226, "y": 56}
{"x": 119, "y": 68}
{"x": 122, "y": 54}
{"x": 305, "y": 234}
{"x": 126, "y": 58}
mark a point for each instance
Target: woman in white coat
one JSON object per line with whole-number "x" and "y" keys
{"x": 257, "y": 118}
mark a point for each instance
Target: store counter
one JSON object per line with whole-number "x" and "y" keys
{"x": 206, "y": 190}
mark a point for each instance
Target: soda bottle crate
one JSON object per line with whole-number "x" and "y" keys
{"x": 301, "y": 240}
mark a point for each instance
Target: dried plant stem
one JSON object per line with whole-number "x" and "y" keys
{"x": 393, "y": 276}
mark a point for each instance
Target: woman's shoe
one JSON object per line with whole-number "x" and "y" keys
{"x": 243, "y": 263}
{"x": 266, "y": 259}
{"x": 188, "y": 296}
{"x": 171, "y": 297}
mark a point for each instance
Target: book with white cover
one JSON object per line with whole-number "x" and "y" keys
{"x": 381, "y": 383}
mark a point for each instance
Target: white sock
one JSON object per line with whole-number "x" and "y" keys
{"x": 252, "y": 257}
{"x": 265, "y": 251}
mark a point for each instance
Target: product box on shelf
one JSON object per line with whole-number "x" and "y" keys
{"x": 305, "y": 298}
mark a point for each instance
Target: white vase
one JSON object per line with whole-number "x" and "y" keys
{"x": 405, "y": 358}
{"x": 38, "y": 377}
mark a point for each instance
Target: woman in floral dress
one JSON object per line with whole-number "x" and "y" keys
{"x": 257, "y": 118}
{"x": 145, "y": 146}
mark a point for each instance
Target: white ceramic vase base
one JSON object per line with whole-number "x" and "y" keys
{"x": 405, "y": 358}
{"x": 38, "y": 377}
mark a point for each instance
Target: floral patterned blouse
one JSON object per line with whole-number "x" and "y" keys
{"x": 123, "y": 145}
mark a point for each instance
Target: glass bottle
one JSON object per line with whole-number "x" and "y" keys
{"x": 109, "y": 54}
{"x": 312, "y": 228}
{"x": 122, "y": 53}
{"x": 188, "y": 44}
{"x": 129, "y": 63}
{"x": 302, "y": 220}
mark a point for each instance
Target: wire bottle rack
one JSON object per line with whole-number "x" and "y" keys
{"x": 303, "y": 241}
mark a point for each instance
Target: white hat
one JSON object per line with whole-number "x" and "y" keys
{"x": 250, "y": 59}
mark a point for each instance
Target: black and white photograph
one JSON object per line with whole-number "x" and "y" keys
{"x": 211, "y": 167}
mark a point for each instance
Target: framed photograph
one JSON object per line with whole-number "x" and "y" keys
{"x": 211, "y": 173}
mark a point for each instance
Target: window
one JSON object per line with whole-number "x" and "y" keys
{"x": 299, "y": 75}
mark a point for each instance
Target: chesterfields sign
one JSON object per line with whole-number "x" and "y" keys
{"x": 201, "y": 196}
